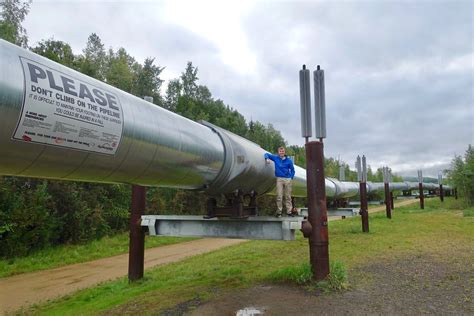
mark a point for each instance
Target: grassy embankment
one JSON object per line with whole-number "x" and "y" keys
{"x": 410, "y": 232}
{"x": 69, "y": 254}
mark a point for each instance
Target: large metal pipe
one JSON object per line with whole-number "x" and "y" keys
{"x": 145, "y": 144}
{"x": 60, "y": 124}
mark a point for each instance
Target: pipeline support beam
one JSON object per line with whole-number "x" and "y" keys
{"x": 253, "y": 227}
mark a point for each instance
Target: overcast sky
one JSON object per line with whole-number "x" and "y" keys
{"x": 399, "y": 74}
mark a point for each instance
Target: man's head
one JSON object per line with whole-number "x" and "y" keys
{"x": 281, "y": 152}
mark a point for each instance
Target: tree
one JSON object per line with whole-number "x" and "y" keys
{"x": 274, "y": 139}
{"x": 370, "y": 174}
{"x": 121, "y": 70}
{"x": 331, "y": 167}
{"x": 13, "y": 13}
{"x": 29, "y": 223}
{"x": 461, "y": 175}
{"x": 57, "y": 51}
{"x": 203, "y": 95}
{"x": 148, "y": 81}
{"x": 173, "y": 93}
{"x": 189, "y": 80}
{"x": 378, "y": 177}
{"x": 299, "y": 153}
{"x": 93, "y": 62}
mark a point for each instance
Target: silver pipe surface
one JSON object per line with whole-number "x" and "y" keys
{"x": 140, "y": 143}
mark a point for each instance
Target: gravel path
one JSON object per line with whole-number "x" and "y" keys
{"x": 30, "y": 288}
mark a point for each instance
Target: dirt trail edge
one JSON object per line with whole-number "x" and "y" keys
{"x": 30, "y": 288}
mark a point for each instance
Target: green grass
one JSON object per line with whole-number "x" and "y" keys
{"x": 410, "y": 231}
{"x": 69, "y": 254}
{"x": 468, "y": 212}
{"x": 302, "y": 275}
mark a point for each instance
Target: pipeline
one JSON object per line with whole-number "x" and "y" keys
{"x": 57, "y": 123}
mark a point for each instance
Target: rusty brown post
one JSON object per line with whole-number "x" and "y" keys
{"x": 136, "y": 253}
{"x": 420, "y": 189}
{"x": 387, "y": 201}
{"x": 440, "y": 182}
{"x": 317, "y": 212}
{"x": 456, "y": 193}
{"x": 386, "y": 180}
{"x": 422, "y": 196}
{"x": 363, "y": 207}
{"x": 361, "y": 167}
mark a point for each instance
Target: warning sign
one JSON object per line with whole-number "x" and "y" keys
{"x": 61, "y": 110}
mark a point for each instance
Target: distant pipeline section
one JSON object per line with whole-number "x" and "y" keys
{"x": 57, "y": 123}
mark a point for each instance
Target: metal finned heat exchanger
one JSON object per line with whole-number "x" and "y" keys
{"x": 60, "y": 124}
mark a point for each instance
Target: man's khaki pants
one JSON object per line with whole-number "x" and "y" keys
{"x": 283, "y": 189}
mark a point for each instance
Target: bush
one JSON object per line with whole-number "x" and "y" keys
{"x": 35, "y": 214}
{"x": 29, "y": 224}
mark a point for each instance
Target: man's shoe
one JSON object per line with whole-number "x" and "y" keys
{"x": 278, "y": 215}
{"x": 290, "y": 214}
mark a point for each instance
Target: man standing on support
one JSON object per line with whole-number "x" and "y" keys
{"x": 284, "y": 173}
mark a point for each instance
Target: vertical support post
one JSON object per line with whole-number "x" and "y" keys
{"x": 136, "y": 253}
{"x": 456, "y": 193}
{"x": 422, "y": 197}
{"x": 440, "y": 182}
{"x": 317, "y": 211}
{"x": 211, "y": 207}
{"x": 420, "y": 188}
{"x": 388, "y": 208}
{"x": 361, "y": 167}
{"x": 253, "y": 202}
{"x": 363, "y": 207}
{"x": 294, "y": 210}
{"x": 238, "y": 205}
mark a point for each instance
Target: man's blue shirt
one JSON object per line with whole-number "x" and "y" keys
{"x": 283, "y": 167}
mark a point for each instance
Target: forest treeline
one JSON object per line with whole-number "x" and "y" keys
{"x": 37, "y": 213}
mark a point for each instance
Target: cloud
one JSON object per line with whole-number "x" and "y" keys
{"x": 399, "y": 75}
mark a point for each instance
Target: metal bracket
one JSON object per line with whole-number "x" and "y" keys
{"x": 347, "y": 212}
{"x": 150, "y": 223}
{"x": 235, "y": 207}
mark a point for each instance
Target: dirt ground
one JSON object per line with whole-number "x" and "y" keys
{"x": 408, "y": 286}
{"x": 440, "y": 283}
{"x": 30, "y": 288}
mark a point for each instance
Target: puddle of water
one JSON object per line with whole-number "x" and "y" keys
{"x": 248, "y": 311}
